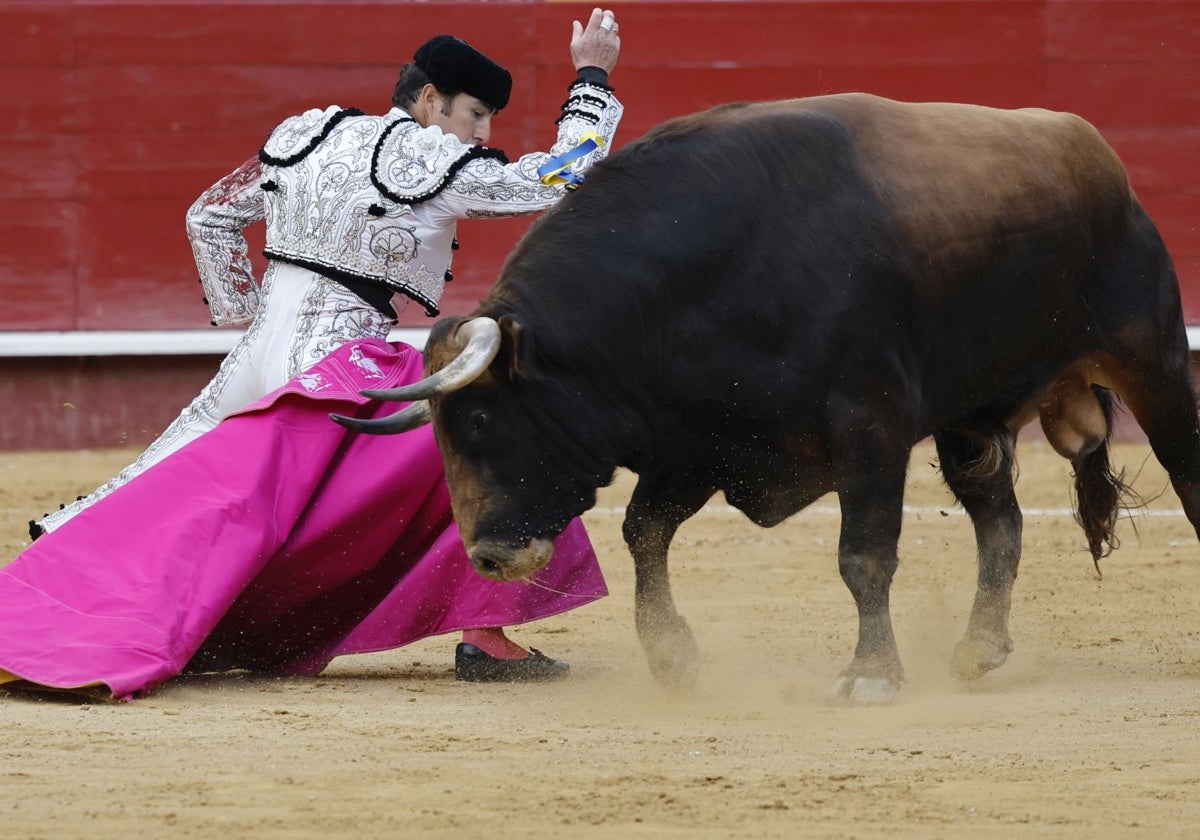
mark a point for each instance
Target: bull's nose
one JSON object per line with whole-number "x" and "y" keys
{"x": 490, "y": 568}
{"x": 492, "y": 564}
{"x": 501, "y": 561}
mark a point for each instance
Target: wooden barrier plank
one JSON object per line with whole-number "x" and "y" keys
{"x": 178, "y": 166}
{"x": 38, "y": 258}
{"x": 1112, "y": 31}
{"x": 652, "y": 95}
{"x": 39, "y": 168}
{"x": 1159, "y": 159}
{"x": 39, "y": 297}
{"x": 126, "y": 283}
{"x": 45, "y": 239}
{"x": 762, "y": 34}
{"x": 1127, "y": 93}
{"x": 297, "y": 35}
{"x": 182, "y": 99}
{"x": 43, "y": 103}
{"x": 35, "y": 35}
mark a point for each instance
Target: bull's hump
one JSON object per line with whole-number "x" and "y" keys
{"x": 951, "y": 172}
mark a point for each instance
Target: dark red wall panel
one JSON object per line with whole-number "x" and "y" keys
{"x": 118, "y": 114}
{"x": 1122, "y": 30}
{"x": 34, "y": 34}
{"x": 1126, "y": 93}
{"x": 125, "y": 111}
{"x": 1159, "y": 159}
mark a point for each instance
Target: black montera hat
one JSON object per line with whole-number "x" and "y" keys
{"x": 453, "y": 64}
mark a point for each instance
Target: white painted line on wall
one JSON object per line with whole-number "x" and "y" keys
{"x": 144, "y": 342}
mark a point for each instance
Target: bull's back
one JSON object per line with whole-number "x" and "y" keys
{"x": 803, "y": 229}
{"x": 952, "y": 172}
{"x": 944, "y": 186}
{"x": 1002, "y": 222}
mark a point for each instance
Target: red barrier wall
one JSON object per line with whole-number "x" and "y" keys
{"x": 117, "y": 114}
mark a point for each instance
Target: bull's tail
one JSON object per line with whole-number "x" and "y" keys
{"x": 1100, "y": 492}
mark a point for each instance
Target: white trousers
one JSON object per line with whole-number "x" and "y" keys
{"x": 302, "y": 317}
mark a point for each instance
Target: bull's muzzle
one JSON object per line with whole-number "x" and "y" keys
{"x": 503, "y": 561}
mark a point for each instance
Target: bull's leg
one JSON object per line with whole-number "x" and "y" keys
{"x": 1149, "y": 370}
{"x": 650, "y": 524}
{"x": 1164, "y": 404}
{"x": 871, "y": 493}
{"x": 978, "y": 468}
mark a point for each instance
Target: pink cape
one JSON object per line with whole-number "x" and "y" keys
{"x": 274, "y": 543}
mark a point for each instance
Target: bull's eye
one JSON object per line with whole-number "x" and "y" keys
{"x": 477, "y": 422}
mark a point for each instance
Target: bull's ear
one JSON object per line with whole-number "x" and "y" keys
{"x": 512, "y": 360}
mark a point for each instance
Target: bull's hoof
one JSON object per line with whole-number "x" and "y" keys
{"x": 678, "y": 675}
{"x": 673, "y": 657}
{"x": 675, "y": 666}
{"x": 974, "y": 656}
{"x": 859, "y": 690}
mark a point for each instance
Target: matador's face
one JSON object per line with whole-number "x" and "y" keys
{"x": 466, "y": 117}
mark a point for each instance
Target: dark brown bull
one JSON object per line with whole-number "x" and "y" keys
{"x": 777, "y": 301}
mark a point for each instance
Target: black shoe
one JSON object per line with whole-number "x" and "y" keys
{"x": 35, "y": 530}
{"x": 474, "y": 665}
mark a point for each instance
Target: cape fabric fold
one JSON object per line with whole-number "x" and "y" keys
{"x": 273, "y": 543}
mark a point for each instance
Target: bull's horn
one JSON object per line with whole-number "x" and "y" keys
{"x": 406, "y": 419}
{"x": 480, "y": 342}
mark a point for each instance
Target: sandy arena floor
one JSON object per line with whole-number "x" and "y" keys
{"x": 1092, "y": 729}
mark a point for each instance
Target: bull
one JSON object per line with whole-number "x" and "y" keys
{"x": 778, "y": 300}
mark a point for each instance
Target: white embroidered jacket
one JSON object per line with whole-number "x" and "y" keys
{"x": 372, "y": 198}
